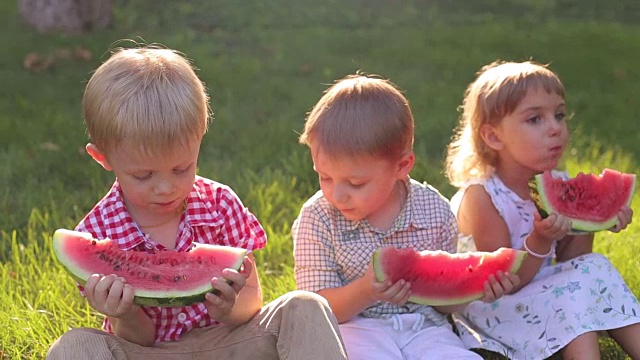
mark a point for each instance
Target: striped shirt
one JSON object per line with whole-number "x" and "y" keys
{"x": 214, "y": 215}
{"x": 331, "y": 251}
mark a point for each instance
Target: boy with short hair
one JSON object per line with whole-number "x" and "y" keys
{"x": 360, "y": 135}
{"x": 146, "y": 112}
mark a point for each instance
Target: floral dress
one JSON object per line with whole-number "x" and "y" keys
{"x": 561, "y": 302}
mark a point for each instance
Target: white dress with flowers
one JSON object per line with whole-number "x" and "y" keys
{"x": 561, "y": 302}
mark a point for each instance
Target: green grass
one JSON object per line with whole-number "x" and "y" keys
{"x": 265, "y": 64}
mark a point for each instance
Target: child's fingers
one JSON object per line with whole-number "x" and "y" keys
{"x": 234, "y": 279}
{"x": 115, "y": 295}
{"x": 101, "y": 290}
{"x": 567, "y": 224}
{"x": 219, "y": 303}
{"x": 549, "y": 222}
{"x": 380, "y": 287}
{"x": 499, "y": 284}
{"x": 555, "y": 227}
{"x": 247, "y": 267}
{"x": 399, "y": 292}
{"x": 509, "y": 281}
{"x": 624, "y": 218}
{"x": 394, "y": 288}
{"x": 403, "y": 296}
{"x": 213, "y": 299}
{"x": 222, "y": 301}
{"x": 560, "y": 223}
{"x": 492, "y": 289}
{"x": 126, "y": 302}
{"x": 225, "y": 291}
{"x": 90, "y": 285}
{"x": 506, "y": 281}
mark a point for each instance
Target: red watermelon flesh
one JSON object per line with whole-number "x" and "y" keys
{"x": 442, "y": 278}
{"x": 591, "y": 201}
{"x": 166, "y": 278}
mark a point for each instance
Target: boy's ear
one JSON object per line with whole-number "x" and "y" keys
{"x": 98, "y": 156}
{"x": 490, "y": 137}
{"x": 405, "y": 165}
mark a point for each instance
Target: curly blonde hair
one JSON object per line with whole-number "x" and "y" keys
{"x": 494, "y": 94}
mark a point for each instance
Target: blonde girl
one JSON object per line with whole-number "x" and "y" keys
{"x": 513, "y": 126}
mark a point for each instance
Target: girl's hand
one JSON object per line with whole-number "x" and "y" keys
{"x": 111, "y": 295}
{"x": 221, "y": 303}
{"x": 624, "y": 219}
{"x": 396, "y": 293}
{"x": 552, "y": 228}
{"x": 498, "y": 285}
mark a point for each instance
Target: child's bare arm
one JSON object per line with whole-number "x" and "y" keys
{"x": 137, "y": 328}
{"x": 479, "y": 218}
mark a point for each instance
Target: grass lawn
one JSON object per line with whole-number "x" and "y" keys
{"x": 265, "y": 64}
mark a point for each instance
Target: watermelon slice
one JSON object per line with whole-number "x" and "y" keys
{"x": 591, "y": 201}
{"x": 166, "y": 278}
{"x": 442, "y": 278}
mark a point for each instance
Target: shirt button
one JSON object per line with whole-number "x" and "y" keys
{"x": 182, "y": 317}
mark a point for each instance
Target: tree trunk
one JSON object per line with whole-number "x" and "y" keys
{"x": 68, "y": 16}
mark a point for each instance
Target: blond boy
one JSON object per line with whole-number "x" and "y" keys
{"x": 360, "y": 134}
{"x": 146, "y": 112}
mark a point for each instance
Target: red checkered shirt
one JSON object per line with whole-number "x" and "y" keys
{"x": 214, "y": 215}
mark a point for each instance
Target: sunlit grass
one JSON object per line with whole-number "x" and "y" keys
{"x": 39, "y": 301}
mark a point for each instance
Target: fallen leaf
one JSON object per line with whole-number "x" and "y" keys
{"x": 35, "y": 63}
{"x": 82, "y": 53}
{"x": 49, "y": 146}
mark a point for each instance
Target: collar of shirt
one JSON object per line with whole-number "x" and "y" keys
{"x": 421, "y": 207}
{"x": 194, "y": 215}
{"x": 409, "y": 215}
{"x": 131, "y": 237}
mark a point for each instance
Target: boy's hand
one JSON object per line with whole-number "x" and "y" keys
{"x": 396, "y": 293}
{"x": 228, "y": 286}
{"x": 498, "y": 285}
{"x": 110, "y": 295}
{"x": 552, "y": 228}
{"x": 624, "y": 219}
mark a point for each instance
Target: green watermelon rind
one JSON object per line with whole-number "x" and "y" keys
{"x": 144, "y": 297}
{"x": 377, "y": 267}
{"x": 160, "y": 300}
{"x": 423, "y": 300}
{"x": 578, "y": 225}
